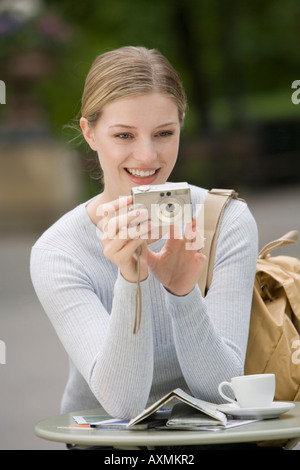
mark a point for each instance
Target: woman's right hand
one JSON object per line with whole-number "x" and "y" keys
{"x": 124, "y": 231}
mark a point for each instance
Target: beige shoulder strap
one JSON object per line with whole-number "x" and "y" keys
{"x": 214, "y": 205}
{"x": 287, "y": 239}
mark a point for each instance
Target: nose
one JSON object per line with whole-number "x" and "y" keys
{"x": 145, "y": 151}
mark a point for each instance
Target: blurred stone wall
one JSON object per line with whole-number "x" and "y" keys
{"x": 39, "y": 181}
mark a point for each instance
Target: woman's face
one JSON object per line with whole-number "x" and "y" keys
{"x": 137, "y": 140}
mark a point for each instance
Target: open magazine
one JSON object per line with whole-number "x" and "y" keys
{"x": 209, "y": 412}
{"x": 186, "y": 412}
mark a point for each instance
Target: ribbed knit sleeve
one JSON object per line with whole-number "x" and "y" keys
{"x": 121, "y": 375}
{"x": 189, "y": 342}
{"x": 116, "y": 364}
{"x": 211, "y": 334}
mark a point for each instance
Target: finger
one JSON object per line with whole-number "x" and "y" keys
{"x": 174, "y": 232}
{"x": 140, "y": 230}
{"x": 193, "y": 235}
{"x": 110, "y": 209}
{"x": 122, "y": 253}
{"x": 196, "y": 245}
{"x": 115, "y": 227}
{"x": 200, "y": 258}
{"x": 190, "y": 229}
{"x": 123, "y": 237}
{"x": 111, "y": 248}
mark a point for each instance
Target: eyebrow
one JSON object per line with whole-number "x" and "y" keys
{"x": 126, "y": 126}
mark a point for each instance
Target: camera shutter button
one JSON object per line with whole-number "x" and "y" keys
{"x": 144, "y": 188}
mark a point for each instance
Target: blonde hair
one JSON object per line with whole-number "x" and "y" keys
{"x": 126, "y": 72}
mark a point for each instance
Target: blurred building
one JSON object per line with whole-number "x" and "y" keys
{"x": 40, "y": 178}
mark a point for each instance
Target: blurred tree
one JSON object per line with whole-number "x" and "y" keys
{"x": 223, "y": 50}
{"x": 237, "y": 60}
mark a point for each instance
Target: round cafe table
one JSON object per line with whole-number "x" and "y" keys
{"x": 56, "y": 428}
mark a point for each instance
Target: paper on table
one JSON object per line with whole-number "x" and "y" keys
{"x": 209, "y": 409}
{"x": 185, "y": 417}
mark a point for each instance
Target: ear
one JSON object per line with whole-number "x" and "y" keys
{"x": 88, "y": 133}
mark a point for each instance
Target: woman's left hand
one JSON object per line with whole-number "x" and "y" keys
{"x": 179, "y": 264}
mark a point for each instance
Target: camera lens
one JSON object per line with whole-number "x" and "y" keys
{"x": 170, "y": 207}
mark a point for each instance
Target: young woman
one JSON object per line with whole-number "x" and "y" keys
{"x": 84, "y": 268}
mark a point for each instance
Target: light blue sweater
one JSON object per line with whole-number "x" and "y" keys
{"x": 189, "y": 342}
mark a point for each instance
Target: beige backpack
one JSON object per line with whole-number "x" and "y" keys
{"x": 274, "y": 340}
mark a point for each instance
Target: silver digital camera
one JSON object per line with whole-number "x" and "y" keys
{"x": 166, "y": 204}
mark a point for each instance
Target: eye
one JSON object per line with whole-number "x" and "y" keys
{"x": 165, "y": 133}
{"x": 124, "y": 135}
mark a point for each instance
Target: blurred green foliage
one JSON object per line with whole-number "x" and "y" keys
{"x": 237, "y": 60}
{"x": 231, "y": 54}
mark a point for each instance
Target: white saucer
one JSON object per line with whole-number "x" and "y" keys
{"x": 276, "y": 409}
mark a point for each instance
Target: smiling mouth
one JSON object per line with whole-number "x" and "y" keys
{"x": 141, "y": 173}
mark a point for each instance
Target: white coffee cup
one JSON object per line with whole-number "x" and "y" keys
{"x": 251, "y": 391}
